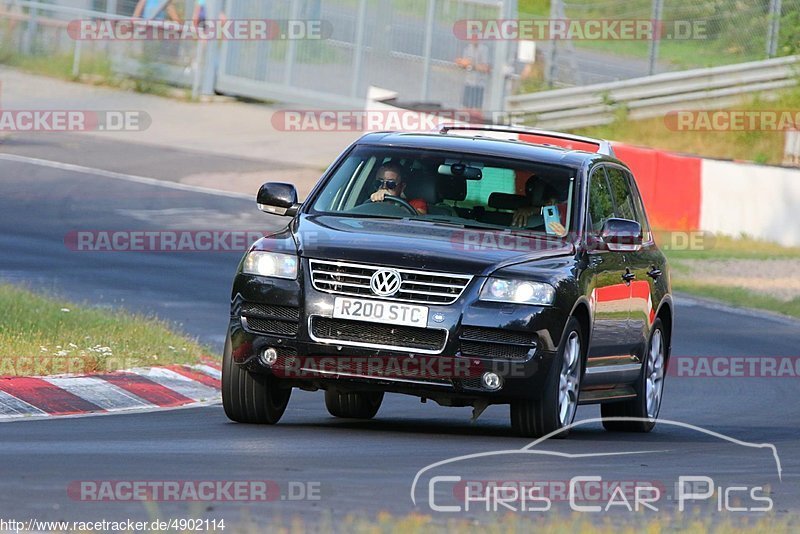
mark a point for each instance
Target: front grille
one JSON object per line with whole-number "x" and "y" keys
{"x": 496, "y": 343}
{"x": 271, "y": 326}
{"x": 288, "y": 313}
{"x": 417, "y": 286}
{"x": 494, "y": 350}
{"x": 402, "y": 337}
{"x": 286, "y": 362}
{"x": 472, "y": 383}
{"x": 271, "y": 319}
{"x": 498, "y": 335}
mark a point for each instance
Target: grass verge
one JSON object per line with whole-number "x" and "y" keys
{"x": 721, "y": 247}
{"x": 737, "y": 296}
{"x": 732, "y": 249}
{"x": 95, "y": 69}
{"x": 758, "y": 146}
{"x": 42, "y": 336}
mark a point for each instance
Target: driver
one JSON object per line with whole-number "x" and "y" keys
{"x": 389, "y": 180}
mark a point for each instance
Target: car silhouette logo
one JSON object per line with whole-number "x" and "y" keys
{"x": 385, "y": 283}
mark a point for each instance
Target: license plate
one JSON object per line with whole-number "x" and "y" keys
{"x": 376, "y": 311}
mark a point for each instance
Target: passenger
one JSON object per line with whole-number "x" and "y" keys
{"x": 156, "y": 10}
{"x": 389, "y": 179}
{"x": 547, "y": 196}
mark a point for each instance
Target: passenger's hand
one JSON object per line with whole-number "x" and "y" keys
{"x": 379, "y": 195}
{"x": 558, "y": 229}
{"x": 521, "y": 216}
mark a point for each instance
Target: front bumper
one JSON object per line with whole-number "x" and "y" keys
{"x": 449, "y": 372}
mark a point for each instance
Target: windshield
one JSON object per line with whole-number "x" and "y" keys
{"x": 451, "y": 188}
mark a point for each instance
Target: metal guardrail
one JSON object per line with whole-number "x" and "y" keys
{"x": 652, "y": 96}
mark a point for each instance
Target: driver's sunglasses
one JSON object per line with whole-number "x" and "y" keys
{"x": 387, "y": 184}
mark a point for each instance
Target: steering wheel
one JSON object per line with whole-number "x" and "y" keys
{"x": 402, "y": 203}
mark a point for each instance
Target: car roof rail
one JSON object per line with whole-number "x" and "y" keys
{"x": 603, "y": 147}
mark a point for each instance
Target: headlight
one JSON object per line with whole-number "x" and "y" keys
{"x": 271, "y": 264}
{"x": 518, "y": 292}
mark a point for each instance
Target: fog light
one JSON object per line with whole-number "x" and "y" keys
{"x": 268, "y": 357}
{"x": 492, "y": 381}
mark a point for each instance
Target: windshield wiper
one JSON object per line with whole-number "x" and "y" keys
{"x": 435, "y": 220}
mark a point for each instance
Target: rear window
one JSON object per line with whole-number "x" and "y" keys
{"x": 494, "y": 180}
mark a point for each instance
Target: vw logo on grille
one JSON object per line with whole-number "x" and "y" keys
{"x": 385, "y": 282}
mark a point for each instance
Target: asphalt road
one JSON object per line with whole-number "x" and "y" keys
{"x": 353, "y": 467}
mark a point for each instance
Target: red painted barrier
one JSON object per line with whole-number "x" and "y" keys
{"x": 670, "y": 185}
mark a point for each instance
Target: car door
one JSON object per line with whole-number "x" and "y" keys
{"x": 647, "y": 264}
{"x": 609, "y": 295}
{"x": 622, "y": 198}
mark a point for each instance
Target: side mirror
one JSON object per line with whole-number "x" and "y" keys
{"x": 621, "y": 235}
{"x": 278, "y": 199}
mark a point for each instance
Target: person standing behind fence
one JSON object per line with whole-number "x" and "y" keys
{"x": 156, "y": 10}
{"x": 475, "y": 60}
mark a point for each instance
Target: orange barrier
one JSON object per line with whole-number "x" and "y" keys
{"x": 670, "y": 185}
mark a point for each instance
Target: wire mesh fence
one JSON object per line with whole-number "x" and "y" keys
{"x": 409, "y": 47}
{"x": 405, "y": 46}
{"x": 704, "y": 33}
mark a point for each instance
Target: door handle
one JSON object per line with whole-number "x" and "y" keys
{"x": 654, "y": 273}
{"x": 629, "y": 276}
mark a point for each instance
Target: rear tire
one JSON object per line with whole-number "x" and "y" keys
{"x": 248, "y": 397}
{"x": 559, "y": 401}
{"x": 353, "y": 405}
{"x": 649, "y": 389}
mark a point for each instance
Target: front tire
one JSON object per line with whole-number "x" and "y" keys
{"x": 645, "y": 407}
{"x": 248, "y": 397}
{"x": 353, "y": 405}
{"x": 559, "y": 401}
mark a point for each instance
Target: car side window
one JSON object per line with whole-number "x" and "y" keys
{"x": 601, "y": 206}
{"x": 621, "y": 194}
{"x": 641, "y": 215}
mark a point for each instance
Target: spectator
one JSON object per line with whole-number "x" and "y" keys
{"x": 475, "y": 60}
{"x": 156, "y": 10}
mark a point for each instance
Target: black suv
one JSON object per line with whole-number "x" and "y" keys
{"x": 487, "y": 271}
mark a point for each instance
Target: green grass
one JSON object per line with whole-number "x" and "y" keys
{"x": 41, "y": 335}
{"x": 721, "y": 247}
{"x": 682, "y": 54}
{"x": 757, "y": 146}
{"x": 737, "y": 296}
{"x": 58, "y": 66}
{"x": 95, "y": 69}
{"x": 535, "y": 8}
{"x": 730, "y": 248}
